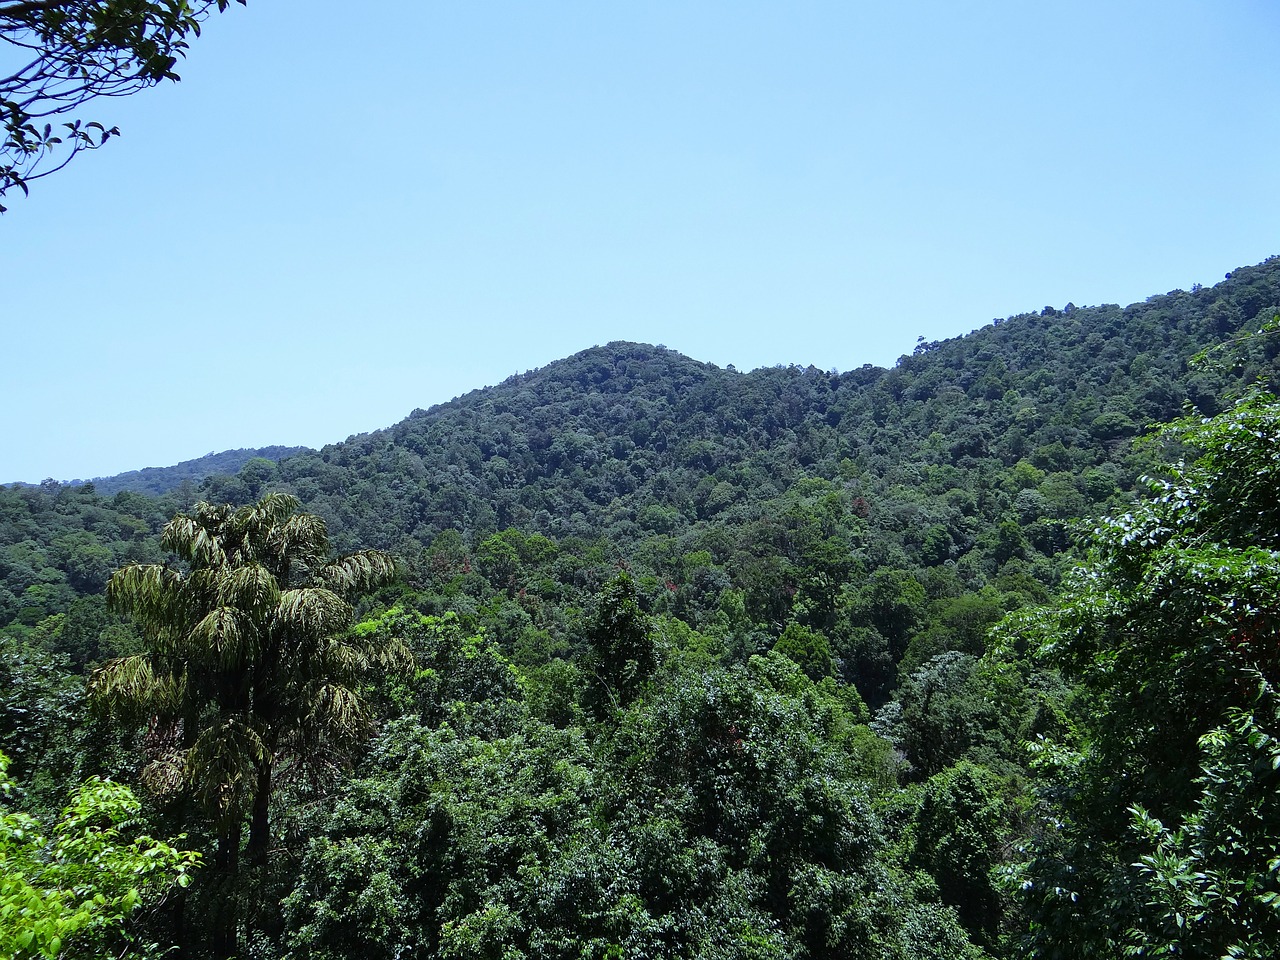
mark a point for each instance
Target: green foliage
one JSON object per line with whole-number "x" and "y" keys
{"x": 72, "y": 53}
{"x": 807, "y": 648}
{"x": 247, "y": 666}
{"x": 58, "y": 544}
{"x": 956, "y": 623}
{"x": 1209, "y": 885}
{"x": 69, "y": 892}
{"x": 459, "y": 846}
{"x": 757, "y": 777}
{"x": 942, "y": 712}
{"x": 621, "y": 654}
{"x": 1163, "y": 834}
{"x": 725, "y": 815}
{"x": 885, "y": 612}
{"x": 456, "y": 677}
{"x": 40, "y": 703}
{"x": 960, "y": 833}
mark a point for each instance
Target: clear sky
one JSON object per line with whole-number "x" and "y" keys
{"x": 346, "y": 211}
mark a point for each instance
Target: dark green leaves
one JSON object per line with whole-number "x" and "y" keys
{"x": 66, "y": 53}
{"x": 1164, "y": 826}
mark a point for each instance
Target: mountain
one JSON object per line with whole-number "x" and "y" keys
{"x": 157, "y": 480}
{"x": 163, "y": 479}
{"x": 789, "y": 490}
{"x": 627, "y": 438}
{"x": 707, "y": 662}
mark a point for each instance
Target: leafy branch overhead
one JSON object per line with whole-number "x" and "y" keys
{"x": 60, "y": 54}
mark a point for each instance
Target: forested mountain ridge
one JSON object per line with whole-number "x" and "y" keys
{"x": 682, "y": 661}
{"x": 968, "y": 457}
{"x": 156, "y": 480}
{"x": 974, "y": 453}
{"x": 599, "y": 438}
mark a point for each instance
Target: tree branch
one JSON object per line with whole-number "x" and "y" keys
{"x": 18, "y": 11}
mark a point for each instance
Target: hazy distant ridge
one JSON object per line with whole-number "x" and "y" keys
{"x": 156, "y": 480}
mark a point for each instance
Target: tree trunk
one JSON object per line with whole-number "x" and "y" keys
{"x": 260, "y": 824}
{"x": 226, "y": 909}
{"x": 178, "y": 920}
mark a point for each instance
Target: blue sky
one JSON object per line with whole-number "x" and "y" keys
{"x": 346, "y": 212}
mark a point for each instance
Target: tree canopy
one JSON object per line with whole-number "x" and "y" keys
{"x": 1162, "y": 834}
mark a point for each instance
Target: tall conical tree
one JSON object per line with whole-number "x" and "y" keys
{"x": 249, "y": 667}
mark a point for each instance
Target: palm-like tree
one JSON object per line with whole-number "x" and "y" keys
{"x": 249, "y": 666}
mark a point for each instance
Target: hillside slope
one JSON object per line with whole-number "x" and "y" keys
{"x": 626, "y": 438}
{"x": 787, "y": 494}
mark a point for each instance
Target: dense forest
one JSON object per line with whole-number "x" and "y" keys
{"x": 635, "y": 656}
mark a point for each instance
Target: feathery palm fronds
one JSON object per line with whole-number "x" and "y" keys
{"x": 247, "y": 667}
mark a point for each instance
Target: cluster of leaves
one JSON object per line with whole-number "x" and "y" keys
{"x": 69, "y": 52}
{"x": 1162, "y": 835}
{"x": 68, "y": 892}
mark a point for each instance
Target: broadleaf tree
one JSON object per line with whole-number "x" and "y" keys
{"x": 1162, "y": 829}
{"x": 69, "y": 890}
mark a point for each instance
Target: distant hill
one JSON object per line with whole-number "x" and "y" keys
{"x": 157, "y": 480}
{"x": 805, "y": 550}
{"x": 628, "y": 440}
{"x": 785, "y": 494}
